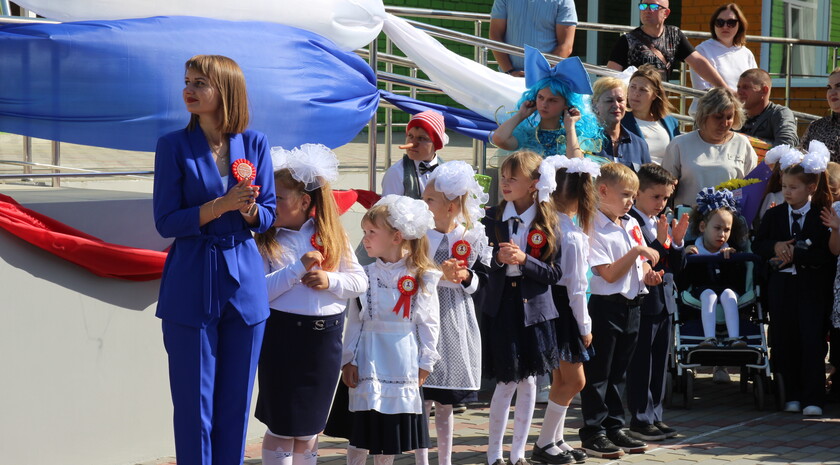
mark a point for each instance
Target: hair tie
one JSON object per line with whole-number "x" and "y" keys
{"x": 708, "y": 199}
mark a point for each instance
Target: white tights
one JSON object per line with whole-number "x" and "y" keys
{"x": 356, "y": 456}
{"x": 444, "y": 423}
{"x": 287, "y": 450}
{"x": 526, "y": 396}
{"x": 729, "y": 301}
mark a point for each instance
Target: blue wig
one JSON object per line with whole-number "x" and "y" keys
{"x": 586, "y": 127}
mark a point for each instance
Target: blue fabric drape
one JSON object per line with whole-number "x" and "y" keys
{"x": 118, "y": 84}
{"x": 466, "y": 122}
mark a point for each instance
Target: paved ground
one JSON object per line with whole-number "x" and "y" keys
{"x": 721, "y": 427}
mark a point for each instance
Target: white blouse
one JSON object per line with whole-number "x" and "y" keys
{"x": 285, "y": 291}
{"x": 574, "y": 256}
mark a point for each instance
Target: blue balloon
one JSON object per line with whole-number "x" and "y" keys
{"x": 118, "y": 84}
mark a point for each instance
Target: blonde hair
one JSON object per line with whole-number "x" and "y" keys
{"x": 605, "y": 84}
{"x": 660, "y": 107}
{"x": 613, "y": 174}
{"x": 327, "y": 223}
{"x": 226, "y": 77}
{"x": 833, "y": 172}
{"x": 528, "y": 163}
{"x": 417, "y": 261}
{"x": 461, "y": 200}
{"x": 717, "y": 100}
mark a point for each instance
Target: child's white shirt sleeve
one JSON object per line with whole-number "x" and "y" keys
{"x": 598, "y": 253}
{"x": 352, "y": 332}
{"x": 350, "y": 280}
{"x": 575, "y": 251}
{"x": 392, "y": 180}
{"x": 281, "y": 280}
{"x": 427, "y": 320}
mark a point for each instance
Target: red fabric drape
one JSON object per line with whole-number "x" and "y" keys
{"x": 103, "y": 258}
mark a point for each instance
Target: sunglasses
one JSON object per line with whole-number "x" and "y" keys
{"x": 651, "y": 7}
{"x": 728, "y": 22}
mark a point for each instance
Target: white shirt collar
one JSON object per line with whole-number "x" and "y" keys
{"x": 527, "y": 216}
{"x": 649, "y": 220}
{"x": 306, "y": 227}
{"x": 432, "y": 162}
{"x": 804, "y": 210}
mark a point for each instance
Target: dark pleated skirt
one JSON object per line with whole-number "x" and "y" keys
{"x": 450, "y": 396}
{"x": 569, "y": 345}
{"x": 299, "y": 367}
{"x": 383, "y": 434}
{"x": 512, "y": 351}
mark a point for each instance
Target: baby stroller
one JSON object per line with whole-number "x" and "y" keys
{"x": 752, "y": 358}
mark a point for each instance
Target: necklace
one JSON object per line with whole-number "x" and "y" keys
{"x": 555, "y": 141}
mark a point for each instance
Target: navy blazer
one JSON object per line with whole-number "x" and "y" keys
{"x": 218, "y": 263}
{"x": 536, "y": 285}
{"x": 816, "y": 264}
{"x": 669, "y": 122}
{"x": 672, "y": 260}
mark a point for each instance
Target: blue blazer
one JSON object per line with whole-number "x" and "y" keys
{"x": 536, "y": 285}
{"x": 218, "y": 263}
{"x": 632, "y": 150}
{"x": 671, "y": 125}
{"x": 672, "y": 260}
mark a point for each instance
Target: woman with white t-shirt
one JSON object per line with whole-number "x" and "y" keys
{"x": 649, "y": 116}
{"x": 725, "y": 50}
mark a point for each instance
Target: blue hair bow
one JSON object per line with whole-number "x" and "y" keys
{"x": 709, "y": 199}
{"x": 569, "y": 71}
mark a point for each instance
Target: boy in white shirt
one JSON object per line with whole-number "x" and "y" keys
{"x": 424, "y": 136}
{"x": 621, "y": 267}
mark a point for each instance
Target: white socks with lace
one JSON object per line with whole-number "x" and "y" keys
{"x": 526, "y": 396}
{"x": 555, "y": 415}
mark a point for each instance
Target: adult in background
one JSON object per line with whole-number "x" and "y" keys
{"x": 649, "y": 116}
{"x": 827, "y": 130}
{"x": 765, "y": 119}
{"x": 547, "y": 25}
{"x": 213, "y": 299}
{"x": 609, "y": 103}
{"x": 712, "y": 153}
{"x": 660, "y": 45}
{"x": 725, "y": 50}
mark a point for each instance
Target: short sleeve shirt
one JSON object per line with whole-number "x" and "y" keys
{"x": 533, "y": 23}
{"x": 631, "y": 50}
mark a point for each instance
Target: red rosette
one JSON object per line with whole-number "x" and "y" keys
{"x": 461, "y": 250}
{"x": 316, "y": 242}
{"x": 637, "y": 234}
{"x": 668, "y": 241}
{"x": 407, "y": 286}
{"x": 243, "y": 169}
{"x": 536, "y": 240}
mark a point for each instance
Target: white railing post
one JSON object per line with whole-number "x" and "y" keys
{"x": 372, "y": 126}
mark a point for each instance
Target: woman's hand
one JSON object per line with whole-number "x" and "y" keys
{"x": 316, "y": 279}
{"x": 421, "y": 377}
{"x": 784, "y": 250}
{"x": 311, "y": 258}
{"x": 350, "y": 375}
{"x": 587, "y": 340}
{"x": 240, "y": 197}
{"x": 829, "y": 218}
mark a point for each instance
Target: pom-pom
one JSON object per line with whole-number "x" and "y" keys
{"x": 708, "y": 199}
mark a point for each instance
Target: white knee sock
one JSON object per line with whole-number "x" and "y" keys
{"x": 356, "y": 456}
{"x": 306, "y": 450}
{"x": 444, "y": 423}
{"x": 277, "y": 450}
{"x": 551, "y": 422}
{"x": 499, "y": 411}
{"x": 729, "y": 302}
{"x": 383, "y": 459}
{"x": 558, "y": 435}
{"x": 708, "y": 301}
{"x": 308, "y": 457}
{"x": 526, "y": 397}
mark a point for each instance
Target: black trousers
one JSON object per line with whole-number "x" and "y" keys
{"x": 615, "y": 329}
{"x": 797, "y": 321}
{"x": 646, "y": 374}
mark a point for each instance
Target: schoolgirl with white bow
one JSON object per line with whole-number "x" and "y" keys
{"x": 794, "y": 238}
{"x": 518, "y": 337}
{"x": 311, "y": 272}
{"x": 390, "y": 345}
{"x": 571, "y": 181}
{"x": 718, "y": 229}
{"x": 459, "y": 246}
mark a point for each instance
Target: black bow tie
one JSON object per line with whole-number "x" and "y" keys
{"x": 425, "y": 167}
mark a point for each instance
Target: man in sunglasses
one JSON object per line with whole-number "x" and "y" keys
{"x": 660, "y": 45}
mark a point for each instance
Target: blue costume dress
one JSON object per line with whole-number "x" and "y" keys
{"x": 213, "y": 299}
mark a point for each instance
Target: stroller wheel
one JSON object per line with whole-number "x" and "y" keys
{"x": 688, "y": 389}
{"x": 759, "y": 391}
{"x": 779, "y": 390}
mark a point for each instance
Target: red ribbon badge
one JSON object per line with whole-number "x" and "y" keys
{"x": 244, "y": 169}
{"x": 408, "y": 287}
{"x": 317, "y": 242}
{"x": 536, "y": 239}
{"x": 667, "y": 243}
{"x": 461, "y": 250}
{"x": 637, "y": 234}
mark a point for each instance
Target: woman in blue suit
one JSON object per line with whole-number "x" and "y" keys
{"x": 213, "y": 299}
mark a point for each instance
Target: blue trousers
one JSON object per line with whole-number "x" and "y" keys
{"x": 211, "y": 376}
{"x": 646, "y": 373}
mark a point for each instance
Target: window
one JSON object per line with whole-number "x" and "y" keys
{"x": 800, "y": 19}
